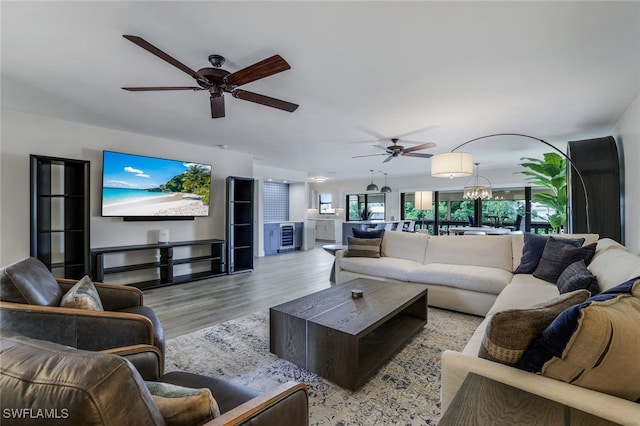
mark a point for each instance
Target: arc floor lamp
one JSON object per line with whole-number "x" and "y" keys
{"x": 459, "y": 164}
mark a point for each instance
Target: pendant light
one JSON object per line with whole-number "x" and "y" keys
{"x": 478, "y": 187}
{"x": 372, "y": 186}
{"x": 385, "y": 188}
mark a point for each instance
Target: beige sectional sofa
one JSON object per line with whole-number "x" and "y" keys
{"x": 475, "y": 274}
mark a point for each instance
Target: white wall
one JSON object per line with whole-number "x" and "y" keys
{"x": 627, "y": 134}
{"x": 24, "y": 134}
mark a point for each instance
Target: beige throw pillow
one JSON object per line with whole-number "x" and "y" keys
{"x": 182, "y": 406}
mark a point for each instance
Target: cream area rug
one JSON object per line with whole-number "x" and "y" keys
{"x": 405, "y": 391}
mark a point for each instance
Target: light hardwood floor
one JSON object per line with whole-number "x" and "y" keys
{"x": 187, "y": 307}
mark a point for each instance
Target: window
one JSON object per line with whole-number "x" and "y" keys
{"x": 324, "y": 205}
{"x": 366, "y": 206}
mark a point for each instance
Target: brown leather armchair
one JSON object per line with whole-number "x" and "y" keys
{"x": 29, "y": 305}
{"x": 98, "y": 388}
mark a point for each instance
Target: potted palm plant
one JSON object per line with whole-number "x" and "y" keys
{"x": 550, "y": 172}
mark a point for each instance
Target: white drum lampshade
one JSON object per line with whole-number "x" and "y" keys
{"x": 452, "y": 164}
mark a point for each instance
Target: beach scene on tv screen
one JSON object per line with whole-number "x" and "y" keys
{"x": 134, "y": 185}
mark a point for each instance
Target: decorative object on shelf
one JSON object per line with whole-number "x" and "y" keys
{"x": 218, "y": 81}
{"x": 423, "y": 200}
{"x": 385, "y": 188}
{"x": 372, "y": 186}
{"x": 163, "y": 236}
{"x": 443, "y": 165}
{"x": 477, "y": 187}
{"x": 452, "y": 164}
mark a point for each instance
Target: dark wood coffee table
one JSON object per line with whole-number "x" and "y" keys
{"x": 347, "y": 340}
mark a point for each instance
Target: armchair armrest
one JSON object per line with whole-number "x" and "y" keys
{"x": 113, "y": 297}
{"x": 287, "y": 404}
{"x": 147, "y": 359}
{"x": 79, "y": 328}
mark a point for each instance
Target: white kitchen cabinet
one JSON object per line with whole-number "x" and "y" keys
{"x": 328, "y": 230}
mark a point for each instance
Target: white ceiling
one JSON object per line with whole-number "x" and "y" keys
{"x": 445, "y": 72}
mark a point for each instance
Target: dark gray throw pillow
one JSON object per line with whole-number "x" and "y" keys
{"x": 576, "y": 276}
{"x": 557, "y": 256}
{"x": 374, "y": 233}
{"x": 533, "y": 248}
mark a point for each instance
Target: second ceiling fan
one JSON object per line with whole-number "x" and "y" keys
{"x": 218, "y": 81}
{"x": 394, "y": 150}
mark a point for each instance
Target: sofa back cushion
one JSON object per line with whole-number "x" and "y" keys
{"x": 405, "y": 245}
{"x": 82, "y": 387}
{"x": 29, "y": 281}
{"x": 477, "y": 250}
{"x": 517, "y": 244}
{"x": 613, "y": 264}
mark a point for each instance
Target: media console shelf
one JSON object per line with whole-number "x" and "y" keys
{"x": 216, "y": 261}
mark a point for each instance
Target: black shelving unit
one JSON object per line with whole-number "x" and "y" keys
{"x": 240, "y": 204}
{"x": 214, "y": 261}
{"x": 60, "y": 214}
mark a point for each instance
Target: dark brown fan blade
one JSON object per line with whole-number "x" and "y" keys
{"x": 264, "y": 100}
{"x": 368, "y": 155}
{"x": 217, "y": 105}
{"x": 389, "y": 158}
{"x": 146, "y": 89}
{"x": 419, "y": 147}
{"x": 411, "y": 154}
{"x": 262, "y": 69}
{"x": 162, "y": 55}
{"x": 381, "y": 147}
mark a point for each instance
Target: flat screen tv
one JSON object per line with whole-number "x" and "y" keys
{"x": 137, "y": 187}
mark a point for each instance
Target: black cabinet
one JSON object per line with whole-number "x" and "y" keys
{"x": 597, "y": 160}
{"x": 240, "y": 205}
{"x": 60, "y": 214}
{"x": 213, "y": 261}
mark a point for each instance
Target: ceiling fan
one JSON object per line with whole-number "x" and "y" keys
{"x": 217, "y": 81}
{"x": 395, "y": 150}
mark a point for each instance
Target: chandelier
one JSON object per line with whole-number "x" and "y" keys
{"x": 478, "y": 187}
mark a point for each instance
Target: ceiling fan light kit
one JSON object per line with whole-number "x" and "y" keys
{"x": 218, "y": 81}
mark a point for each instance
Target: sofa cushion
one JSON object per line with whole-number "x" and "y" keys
{"x": 369, "y": 233}
{"x": 577, "y": 276}
{"x": 557, "y": 255}
{"x": 29, "y": 281}
{"x": 363, "y": 247}
{"x": 523, "y": 291}
{"x": 534, "y": 245}
{"x": 83, "y": 295}
{"x": 476, "y": 278}
{"x": 493, "y": 251}
{"x": 405, "y": 245}
{"x": 613, "y": 264}
{"x": 385, "y": 267}
{"x": 511, "y": 332}
{"x": 84, "y": 387}
{"x": 594, "y": 344}
{"x": 182, "y": 406}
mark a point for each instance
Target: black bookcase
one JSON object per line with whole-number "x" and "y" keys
{"x": 598, "y": 162}
{"x": 60, "y": 214}
{"x": 240, "y": 204}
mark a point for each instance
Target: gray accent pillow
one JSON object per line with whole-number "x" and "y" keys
{"x": 363, "y": 247}
{"x": 575, "y": 277}
{"x": 183, "y": 406}
{"x": 557, "y": 256}
{"x": 534, "y": 246}
{"x": 510, "y": 333}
